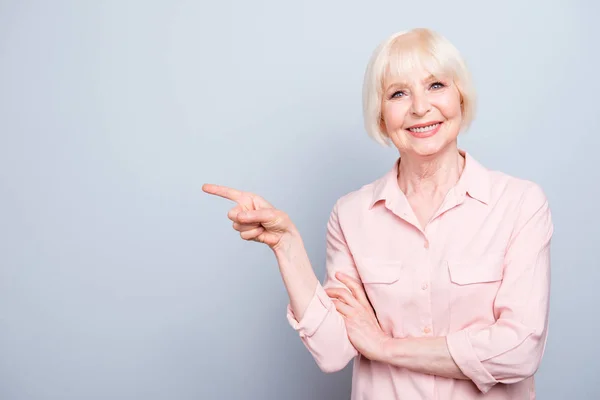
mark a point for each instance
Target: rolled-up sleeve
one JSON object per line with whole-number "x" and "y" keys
{"x": 322, "y": 329}
{"x": 511, "y": 349}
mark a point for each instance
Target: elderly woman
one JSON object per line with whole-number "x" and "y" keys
{"x": 438, "y": 273}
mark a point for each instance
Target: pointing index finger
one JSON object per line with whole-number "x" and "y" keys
{"x": 222, "y": 191}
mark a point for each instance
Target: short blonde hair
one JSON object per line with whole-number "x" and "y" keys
{"x": 396, "y": 56}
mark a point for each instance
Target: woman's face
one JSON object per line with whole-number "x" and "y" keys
{"x": 423, "y": 115}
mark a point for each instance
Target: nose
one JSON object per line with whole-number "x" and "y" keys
{"x": 420, "y": 104}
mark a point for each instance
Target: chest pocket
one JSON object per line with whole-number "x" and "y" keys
{"x": 485, "y": 269}
{"x": 474, "y": 283}
{"x": 373, "y": 271}
{"x": 388, "y": 285}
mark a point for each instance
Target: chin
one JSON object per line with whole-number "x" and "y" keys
{"x": 428, "y": 148}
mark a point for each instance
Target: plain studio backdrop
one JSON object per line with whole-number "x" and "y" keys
{"x": 121, "y": 279}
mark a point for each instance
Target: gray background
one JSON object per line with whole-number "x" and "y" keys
{"x": 120, "y": 279}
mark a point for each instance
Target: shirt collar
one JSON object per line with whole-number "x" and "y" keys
{"x": 474, "y": 181}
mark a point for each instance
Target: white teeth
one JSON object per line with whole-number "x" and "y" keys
{"x": 424, "y": 128}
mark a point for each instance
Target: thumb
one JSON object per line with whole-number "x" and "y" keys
{"x": 259, "y": 202}
{"x": 267, "y": 217}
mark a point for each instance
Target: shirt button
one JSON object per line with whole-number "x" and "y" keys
{"x": 426, "y": 244}
{"x": 424, "y": 286}
{"x": 426, "y": 330}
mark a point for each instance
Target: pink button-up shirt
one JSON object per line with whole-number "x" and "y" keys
{"x": 477, "y": 274}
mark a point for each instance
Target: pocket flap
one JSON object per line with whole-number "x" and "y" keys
{"x": 486, "y": 269}
{"x": 379, "y": 271}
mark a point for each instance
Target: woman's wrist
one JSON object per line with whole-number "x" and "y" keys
{"x": 290, "y": 243}
{"x": 389, "y": 347}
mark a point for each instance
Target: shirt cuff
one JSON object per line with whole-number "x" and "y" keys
{"x": 315, "y": 313}
{"x": 465, "y": 357}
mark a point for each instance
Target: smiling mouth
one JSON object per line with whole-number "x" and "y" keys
{"x": 427, "y": 128}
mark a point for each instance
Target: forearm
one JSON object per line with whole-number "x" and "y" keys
{"x": 311, "y": 311}
{"x": 297, "y": 273}
{"x": 425, "y": 355}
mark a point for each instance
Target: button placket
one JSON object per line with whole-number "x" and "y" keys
{"x": 423, "y": 284}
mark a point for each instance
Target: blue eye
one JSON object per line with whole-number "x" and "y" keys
{"x": 437, "y": 85}
{"x": 395, "y": 95}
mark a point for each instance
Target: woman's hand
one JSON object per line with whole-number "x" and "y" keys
{"x": 361, "y": 323}
{"x": 254, "y": 217}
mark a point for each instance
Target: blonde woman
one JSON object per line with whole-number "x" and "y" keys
{"x": 438, "y": 273}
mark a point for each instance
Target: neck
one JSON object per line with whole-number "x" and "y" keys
{"x": 430, "y": 175}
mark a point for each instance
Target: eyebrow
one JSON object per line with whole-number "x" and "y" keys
{"x": 397, "y": 84}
